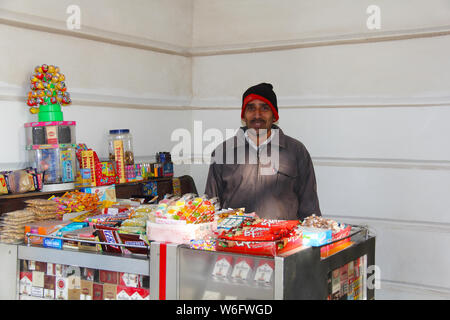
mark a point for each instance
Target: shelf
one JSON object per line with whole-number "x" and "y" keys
{"x": 135, "y": 264}
{"x": 40, "y": 193}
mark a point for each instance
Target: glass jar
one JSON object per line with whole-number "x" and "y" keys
{"x": 125, "y": 137}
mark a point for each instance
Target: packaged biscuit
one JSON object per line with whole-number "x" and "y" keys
{"x": 3, "y": 187}
{"x": 21, "y": 181}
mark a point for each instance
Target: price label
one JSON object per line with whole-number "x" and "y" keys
{"x": 264, "y": 273}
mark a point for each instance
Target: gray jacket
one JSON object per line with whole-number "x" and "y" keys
{"x": 277, "y": 181}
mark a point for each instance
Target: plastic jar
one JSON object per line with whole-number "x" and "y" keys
{"x": 125, "y": 137}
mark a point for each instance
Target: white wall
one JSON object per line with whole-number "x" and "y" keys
{"x": 117, "y": 70}
{"x": 370, "y": 106}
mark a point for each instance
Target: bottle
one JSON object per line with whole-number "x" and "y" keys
{"x": 125, "y": 136}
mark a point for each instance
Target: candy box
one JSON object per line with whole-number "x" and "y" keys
{"x": 110, "y": 235}
{"x": 135, "y": 240}
{"x": 178, "y": 233}
{"x": 203, "y": 244}
{"x": 105, "y": 193}
{"x": 51, "y": 132}
{"x": 343, "y": 234}
{"x": 261, "y": 248}
{"x": 58, "y": 243}
{"x": 230, "y": 222}
{"x": 315, "y": 237}
{"x": 43, "y": 228}
{"x": 3, "y": 187}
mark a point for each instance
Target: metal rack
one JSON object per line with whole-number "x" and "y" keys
{"x": 178, "y": 272}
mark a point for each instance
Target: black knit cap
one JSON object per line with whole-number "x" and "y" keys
{"x": 264, "y": 92}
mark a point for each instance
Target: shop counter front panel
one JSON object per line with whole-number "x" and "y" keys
{"x": 207, "y": 275}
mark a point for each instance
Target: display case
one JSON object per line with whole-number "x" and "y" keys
{"x": 52, "y": 274}
{"x": 179, "y": 272}
{"x": 300, "y": 274}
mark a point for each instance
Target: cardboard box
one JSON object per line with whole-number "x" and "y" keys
{"x": 60, "y": 270}
{"x": 111, "y": 277}
{"x": 88, "y": 162}
{"x": 41, "y": 266}
{"x": 86, "y": 290}
{"x": 141, "y": 294}
{"x": 50, "y": 269}
{"x": 38, "y": 279}
{"x": 25, "y": 283}
{"x": 125, "y": 293}
{"x": 130, "y": 280}
{"x": 315, "y": 237}
{"x": 61, "y": 289}
{"x": 90, "y": 274}
{"x": 74, "y": 294}
{"x": 97, "y": 291}
{"x": 43, "y": 228}
{"x": 37, "y": 292}
{"x": 109, "y": 291}
{"x": 120, "y": 162}
{"x": 74, "y": 282}
{"x": 49, "y": 287}
{"x": 105, "y": 193}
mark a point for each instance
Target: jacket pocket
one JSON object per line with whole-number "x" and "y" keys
{"x": 286, "y": 179}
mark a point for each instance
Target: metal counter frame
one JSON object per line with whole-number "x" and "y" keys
{"x": 301, "y": 275}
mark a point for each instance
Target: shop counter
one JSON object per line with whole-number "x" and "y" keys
{"x": 170, "y": 272}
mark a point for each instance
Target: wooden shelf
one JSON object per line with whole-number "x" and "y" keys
{"x": 40, "y": 193}
{"x": 11, "y": 202}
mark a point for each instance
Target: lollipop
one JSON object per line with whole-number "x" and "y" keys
{"x": 47, "y": 81}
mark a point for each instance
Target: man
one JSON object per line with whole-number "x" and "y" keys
{"x": 261, "y": 168}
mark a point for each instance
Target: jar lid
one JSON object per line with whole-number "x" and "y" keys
{"x": 119, "y": 131}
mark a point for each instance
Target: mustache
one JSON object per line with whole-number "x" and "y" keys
{"x": 257, "y": 120}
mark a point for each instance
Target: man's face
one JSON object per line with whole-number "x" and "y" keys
{"x": 258, "y": 115}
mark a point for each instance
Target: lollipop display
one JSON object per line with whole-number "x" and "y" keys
{"x": 47, "y": 88}
{"x": 51, "y": 141}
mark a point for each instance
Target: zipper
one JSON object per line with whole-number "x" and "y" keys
{"x": 257, "y": 174}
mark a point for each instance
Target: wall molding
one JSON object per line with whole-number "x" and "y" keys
{"x": 167, "y": 102}
{"x": 82, "y": 97}
{"x": 433, "y": 292}
{"x": 32, "y": 22}
{"x": 410, "y": 164}
{"x": 397, "y": 224}
{"x": 37, "y": 23}
{"x": 332, "y": 40}
{"x": 298, "y": 102}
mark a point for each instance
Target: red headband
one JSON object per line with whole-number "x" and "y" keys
{"x": 253, "y": 96}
